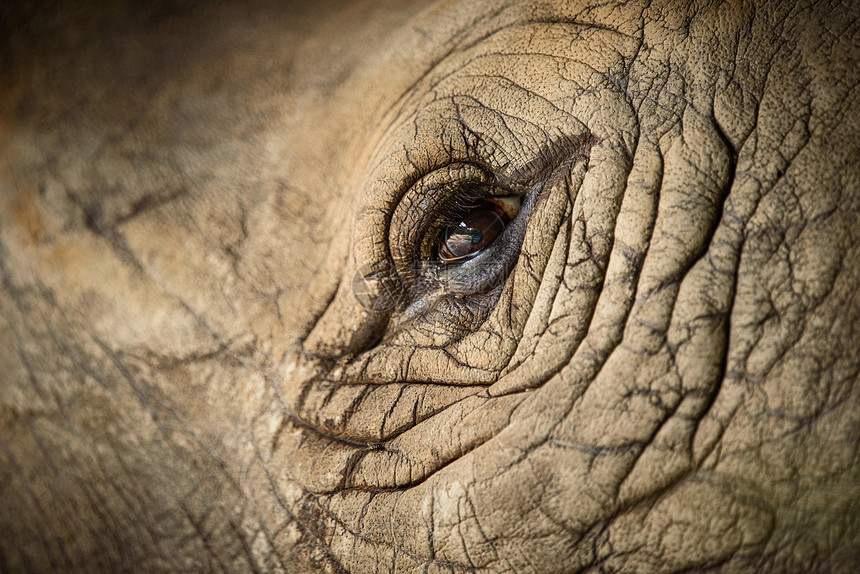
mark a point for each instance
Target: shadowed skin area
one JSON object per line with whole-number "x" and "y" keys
{"x": 226, "y": 346}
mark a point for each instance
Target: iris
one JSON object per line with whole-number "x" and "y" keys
{"x": 477, "y": 230}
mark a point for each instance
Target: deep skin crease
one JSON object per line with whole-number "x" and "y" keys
{"x": 664, "y": 378}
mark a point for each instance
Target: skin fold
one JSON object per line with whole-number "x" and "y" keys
{"x": 226, "y": 345}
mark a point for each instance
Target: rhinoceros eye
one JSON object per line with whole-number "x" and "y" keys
{"x": 478, "y": 229}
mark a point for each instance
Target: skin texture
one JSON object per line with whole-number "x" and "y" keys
{"x": 664, "y": 379}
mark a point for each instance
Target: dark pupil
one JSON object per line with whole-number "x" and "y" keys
{"x": 477, "y": 230}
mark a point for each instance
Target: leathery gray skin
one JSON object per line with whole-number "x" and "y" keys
{"x": 226, "y": 344}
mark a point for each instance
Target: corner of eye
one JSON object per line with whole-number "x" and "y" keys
{"x": 513, "y": 201}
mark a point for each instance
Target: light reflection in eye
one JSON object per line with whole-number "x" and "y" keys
{"x": 478, "y": 229}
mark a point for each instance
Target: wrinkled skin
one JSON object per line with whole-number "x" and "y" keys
{"x": 665, "y": 378}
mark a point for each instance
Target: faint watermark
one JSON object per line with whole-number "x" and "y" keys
{"x": 374, "y": 288}
{"x": 379, "y": 289}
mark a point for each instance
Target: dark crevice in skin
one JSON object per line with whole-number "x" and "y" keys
{"x": 94, "y": 222}
{"x": 354, "y": 405}
{"x": 57, "y": 563}
{"x": 711, "y": 394}
{"x": 317, "y": 313}
{"x": 303, "y": 394}
{"x": 726, "y": 322}
{"x": 303, "y": 525}
{"x": 149, "y": 202}
{"x": 204, "y": 537}
{"x": 324, "y": 510}
{"x": 249, "y": 555}
{"x": 390, "y": 412}
{"x": 315, "y": 318}
{"x": 439, "y": 465}
{"x": 569, "y": 351}
{"x": 160, "y": 362}
{"x": 14, "y": 291}
{"x": 431, "y": 531}
{"x": 306, "y": 426}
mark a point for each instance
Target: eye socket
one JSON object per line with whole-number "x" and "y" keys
{"x": 477, "y": 230}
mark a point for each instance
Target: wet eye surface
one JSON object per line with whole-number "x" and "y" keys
{"x": 477, "y": 230}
